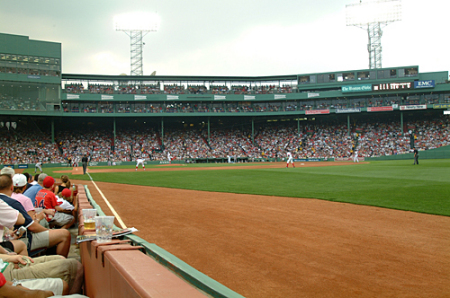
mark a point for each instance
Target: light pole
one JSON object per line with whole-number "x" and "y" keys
{"x": 136, "y": 26}
{"x": 372, "y": 16}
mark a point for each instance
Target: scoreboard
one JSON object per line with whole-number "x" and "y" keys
{"x": 393, "y": 86}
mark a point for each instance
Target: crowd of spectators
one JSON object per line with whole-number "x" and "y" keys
{"x": 371, "y": 139}
{"x": 101, "y": 89}
{"x": 27, "y": 146}
{"x": 180, "y": 89}
{"x": 150, "y": 89}
{"x": 8, "y": 102}
{"x": 221, "y": 106}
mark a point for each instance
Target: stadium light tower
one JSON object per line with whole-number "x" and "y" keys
{"x": 136, "y": 26}
{"x": 373, "y": 15}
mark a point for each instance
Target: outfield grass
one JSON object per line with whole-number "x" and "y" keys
{"x": 391, "y": 184}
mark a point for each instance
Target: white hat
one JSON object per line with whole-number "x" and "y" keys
{"x": 19, "y": 180}
{"x": 8, "y": 171}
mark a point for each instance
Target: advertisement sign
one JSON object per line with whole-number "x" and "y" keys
{"x": 219, "y": 97}
{"x": 140, "y": 97}
{"x": 441, "y": 106}
{"x": 279, "y": 96}
{"x": 249, "y": 97}
{"x": 380, "y": 109}
{"x": 22, "y": 166}
{"x": 424, "y": 84}
{"x": 306, "y": 159}
{"x": 347, "y": 159}
{"x": 107, "y": 97}
{"x": 413, "y": 107}
{"x": 313, "y": 95}
{"x": 357, "y": 88}
{"x": 393, "y": 86}
{"x": 352, "y": 110}
{"x": 315, "y": 112}
{"x": 73, "y": 96}
{"x": 172, "y": 97}
{"x": 11, "y": 166}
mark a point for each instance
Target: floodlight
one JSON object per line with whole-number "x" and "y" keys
{"x": 373, "y": 15}
{"x": 136, "y": 26}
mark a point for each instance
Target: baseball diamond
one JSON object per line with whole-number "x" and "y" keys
{"x": 271, "y": 246}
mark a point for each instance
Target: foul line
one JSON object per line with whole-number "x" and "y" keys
{"x": 109, "y": 205}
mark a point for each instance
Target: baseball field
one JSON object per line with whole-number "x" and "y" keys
{"x": 322, "y": 229}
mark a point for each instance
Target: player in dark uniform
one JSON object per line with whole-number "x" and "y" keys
{"x": 416, "y": 156}
{"x": 84, "y": 162}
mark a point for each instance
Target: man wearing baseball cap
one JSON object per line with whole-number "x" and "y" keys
{"x": 33, "y": 190}
{"x": 38, "y": 236}
{"x": 45, "y": 198}
{"x": 8, "y": 171}
{"x": 20, "y": 184}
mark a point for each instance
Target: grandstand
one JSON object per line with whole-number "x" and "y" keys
{"x": 162, "y": 110}
{"x": 382, "y": 113}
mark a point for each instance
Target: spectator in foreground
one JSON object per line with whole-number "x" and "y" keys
{"x": 45, "y": 198}
{"x": 32, "y": 191}
{"x": 37, "y": 236}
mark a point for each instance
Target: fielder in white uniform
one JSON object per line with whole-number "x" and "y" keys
{"x": 140, "y": 161}
{"x": 38, "y": 165}
{"x": 355, "y": 156}
{"x": 289, "y": 160}
{"x": 169, "y": 157}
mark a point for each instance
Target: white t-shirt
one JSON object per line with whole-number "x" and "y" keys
{"x": 64, "y": 204}
{"x": 289, "y": 154}
{"x": 8, "y": 216}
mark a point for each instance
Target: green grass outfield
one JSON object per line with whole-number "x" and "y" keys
{"x": 391, "y": 184}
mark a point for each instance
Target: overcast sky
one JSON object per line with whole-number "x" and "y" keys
{"x": 237, "y": 38}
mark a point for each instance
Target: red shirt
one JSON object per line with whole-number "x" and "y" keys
{"x": 46, "y": 199}
{"x": 2, "y": 280}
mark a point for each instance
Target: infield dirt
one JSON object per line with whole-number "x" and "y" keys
{"x": 264, "y": 246}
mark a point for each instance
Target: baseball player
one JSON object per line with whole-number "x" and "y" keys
{"x": 355, "y": 156}
{"x": 289, "y": 160}
{"x": 140, "y": 161}
{"x": 38, "y": 165}
{"x": 169, "y": 157}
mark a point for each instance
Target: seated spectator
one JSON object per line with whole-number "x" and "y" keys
{"x": 32, "y": 191}
{"x": 19, "y": 182}
{"x": 31, "y": 288}
{"x": 69, "y": 202}
{"x": 65, "y": 184}
{"x": 70, "y": 271}
{"x": 8, "y": 171}
{"x": 37, "y": 236}
{"x": 10, "y": 217}
{"x": 29, "y": 180}
{"x": 8, "y": 290}
{"x": 46, "y": 199}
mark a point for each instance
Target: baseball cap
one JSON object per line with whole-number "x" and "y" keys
{"x": 41, "y": 178}
{"x": 48, "y": 182}
{"x": 66, "y": 192}
{"x": 19, "y": 180}
{"x": 8, "y": 171}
